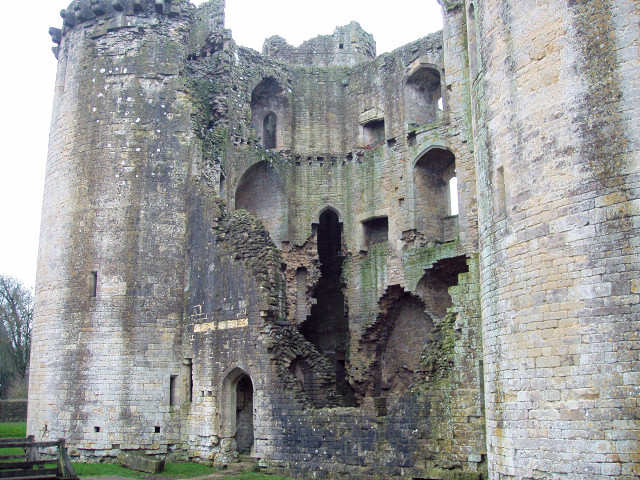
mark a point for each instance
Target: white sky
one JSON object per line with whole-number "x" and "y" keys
{"x": 29, "y": 69}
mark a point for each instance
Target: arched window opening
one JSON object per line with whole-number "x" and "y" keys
{"x": 261, "y": 192}
{"x": 432, "y": 177}
{"x": 327, "y": 325}
{"x": 268, "y": 105}
{"x": 423, "y": 94}
{"x": 269, "y": 128}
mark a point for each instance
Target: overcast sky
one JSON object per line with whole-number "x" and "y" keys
{"x": 29, "y": 69}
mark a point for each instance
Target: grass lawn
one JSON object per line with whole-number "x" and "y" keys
{"x": 172, "y": 470}
{"x": 12, "y": 430}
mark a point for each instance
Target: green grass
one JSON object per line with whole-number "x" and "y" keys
{"x": 172, "y": 470}
{"x": 254, "y": 476}
{"x": 13, "y": 430}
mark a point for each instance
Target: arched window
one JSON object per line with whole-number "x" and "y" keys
{"x": 269, "y": 106}
{"x": 435, "y": 185}
{"x": 269, "y": 129}
{"x": 422, "y": 94}
{"x": 261, "y": 192}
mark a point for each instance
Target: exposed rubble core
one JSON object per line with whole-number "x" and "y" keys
{"x": 418, "y": 265}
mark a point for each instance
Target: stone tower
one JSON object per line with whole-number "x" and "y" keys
{"x": 260, "y": 253}
{"x": 111, "y": 274}
{"x": 555, "y": 115}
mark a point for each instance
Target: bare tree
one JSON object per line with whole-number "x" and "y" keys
{"x": 16, "y": 313}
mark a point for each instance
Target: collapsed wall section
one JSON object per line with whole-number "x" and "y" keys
{"x": 323, "y": 163}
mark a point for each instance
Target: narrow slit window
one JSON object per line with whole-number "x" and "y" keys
{"x": 172, "y": 390}
{"x": 190, "y": 379}
{"x": 453, "y": 196}
{"x": 501, "y": 193}
{"x": 93, "y": 284}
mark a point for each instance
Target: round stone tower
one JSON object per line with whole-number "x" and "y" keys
{"x": 555, "y": 99}
{"x": 106, "y": 337}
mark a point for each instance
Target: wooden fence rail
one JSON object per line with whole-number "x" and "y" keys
{"x": 32, "y": 466}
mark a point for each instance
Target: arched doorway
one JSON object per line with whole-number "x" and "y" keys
{"x": 237, "y": 409}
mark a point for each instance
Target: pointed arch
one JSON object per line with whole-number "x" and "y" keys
{"x": 236, "y": 407}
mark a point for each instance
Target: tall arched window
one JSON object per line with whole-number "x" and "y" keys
{"x": 422, "y": 94}
{"x": 435, "y": 184}
{"x": 261, "y": 192}
{"x": 269, "y": 110}
{"x": 269, "y": 129}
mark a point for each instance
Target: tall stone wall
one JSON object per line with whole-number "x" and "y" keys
{"x": 259, "y": 252}
{"x": 557, "y": 161}
{"x": 322, "y": 162}
{"x": 109, "y": 293}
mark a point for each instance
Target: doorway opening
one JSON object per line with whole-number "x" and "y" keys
{"x": 237, "y": 410}
{"x": 327, "y": 326}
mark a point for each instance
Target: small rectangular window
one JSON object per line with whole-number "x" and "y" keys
{"x": 376, "y": 230}
{"x": 93, "y": 284}
{"x": 172, "y": 390}
{"x": 189, "y": 373}
{"x": 500, "y": 192}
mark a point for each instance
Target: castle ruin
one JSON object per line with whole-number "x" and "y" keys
{"x": 422, "y": 265}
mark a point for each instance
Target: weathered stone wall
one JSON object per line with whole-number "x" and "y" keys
{"x": 13, "y": 410}
{"x": 555, "y": 112}
{"x": 109, "y": 293}
{"x": 187, "y": 242}
{"x": 348, "y": 46}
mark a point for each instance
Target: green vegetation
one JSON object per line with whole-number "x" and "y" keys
{"x": 255, "y": 476}
{"x": 13, "y": 430}
{"x": 172, "y": 470}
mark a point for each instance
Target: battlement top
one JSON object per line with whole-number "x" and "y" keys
{"x": 81, "y": 11}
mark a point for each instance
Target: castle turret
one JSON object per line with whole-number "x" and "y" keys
{"x": 111, "y": 262}
{"x": 554, "y": 106}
